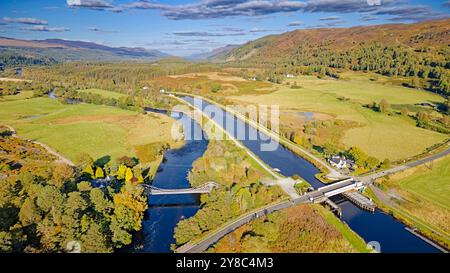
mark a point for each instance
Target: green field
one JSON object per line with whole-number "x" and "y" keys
{"x": 103, "y": 93}
{"x": 420, "y": 196}
{"x": 394, "y": 137}
{"x": 433, "y": 185}
{"x": 73, "y": 129}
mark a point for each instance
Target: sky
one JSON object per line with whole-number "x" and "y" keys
{"x": 185, "y": 27}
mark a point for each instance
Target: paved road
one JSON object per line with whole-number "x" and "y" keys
{"x": 221, "y": 232}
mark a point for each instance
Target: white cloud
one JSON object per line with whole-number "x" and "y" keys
{"x": 25, "y": 20}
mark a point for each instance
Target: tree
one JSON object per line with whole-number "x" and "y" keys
{"x": 29, "y": 213}
{"x": 138, "y": 174}
{"x": 384, "y": 106}
{"x": 101, "y": 203}
{"x": 372, "y": 162}
{"x": 129, "y": 206}
{"x": 243, "y": 197}
{"x": 129, "y": 175}
{"x": 120, "y": 236}
{"x": 358, "y": 155}
{"x": 386, "y": 163}
{"x": 50, "y": 197}
{"x": 62, "y": 173}
{"x": 216, "y": 88}
{"x": 89, "y": 171}
{"x": 84, "y": 160}
{"x": 404, "y": 111}
{"x": 121, "y": 172}
{"x": 127, "y": 161}
{"x": 99, "y": 173}
{"x": 423, "y": 117}
{"x": 414, "y": 82}
{"x": 330, "y": 149}
{"x": 94, "y": 240}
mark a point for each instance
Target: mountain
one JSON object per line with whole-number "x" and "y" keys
{"x": 216, "y": 55}
{"x": 430, "y": 34}
{"x": 416, "y": 55}
{"x": 66, "y": 50}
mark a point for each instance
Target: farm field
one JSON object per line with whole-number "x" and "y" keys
{"x": 203, "y": 83}
{"x": 379, "y": 135}
{"x": 85, "y": 128}
{"x": 103, "y": 93}
{"x": 423, "y": 193}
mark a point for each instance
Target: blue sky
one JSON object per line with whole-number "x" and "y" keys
{"x": 184, "y": 27}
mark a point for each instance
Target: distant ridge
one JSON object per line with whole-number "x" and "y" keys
{"x": 216, "y": 55}
{"x": 67, "y": 50}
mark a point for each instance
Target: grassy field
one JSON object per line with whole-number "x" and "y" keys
{"x": 424, "y": 192}
{"x": 419, "y": 197}
{"x": 394, "y": 137}
{"x": 103, "y": 93}
{"x": 73, "y": 129}
{"x": 202, "y": 83}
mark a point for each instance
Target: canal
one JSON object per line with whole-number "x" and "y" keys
{"x": 378, "y": 227}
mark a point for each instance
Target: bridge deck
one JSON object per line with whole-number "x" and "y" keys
{"x": 360, "y": 200}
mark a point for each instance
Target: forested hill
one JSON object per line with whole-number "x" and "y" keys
{"x": 418, "y": 51}
{"x": 65, "y": 50}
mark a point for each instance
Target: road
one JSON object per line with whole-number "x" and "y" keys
{"x": 229, "y": 227}
{"x": 405, "y": 166}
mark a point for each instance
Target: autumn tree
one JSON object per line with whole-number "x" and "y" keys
{"x": 384, "y": 106}
{"x": 99, "y": 173}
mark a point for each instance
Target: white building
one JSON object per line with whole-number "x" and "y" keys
{"x": 341, "y": 162}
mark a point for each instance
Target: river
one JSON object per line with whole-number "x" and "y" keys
{"x": 379, "y": 227}
{"x": 165, "y": 211}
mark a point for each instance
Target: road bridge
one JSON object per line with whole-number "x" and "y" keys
{"x": 318, "y": 196}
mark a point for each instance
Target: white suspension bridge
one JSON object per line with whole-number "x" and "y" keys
{"x": 205, "y": 188}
